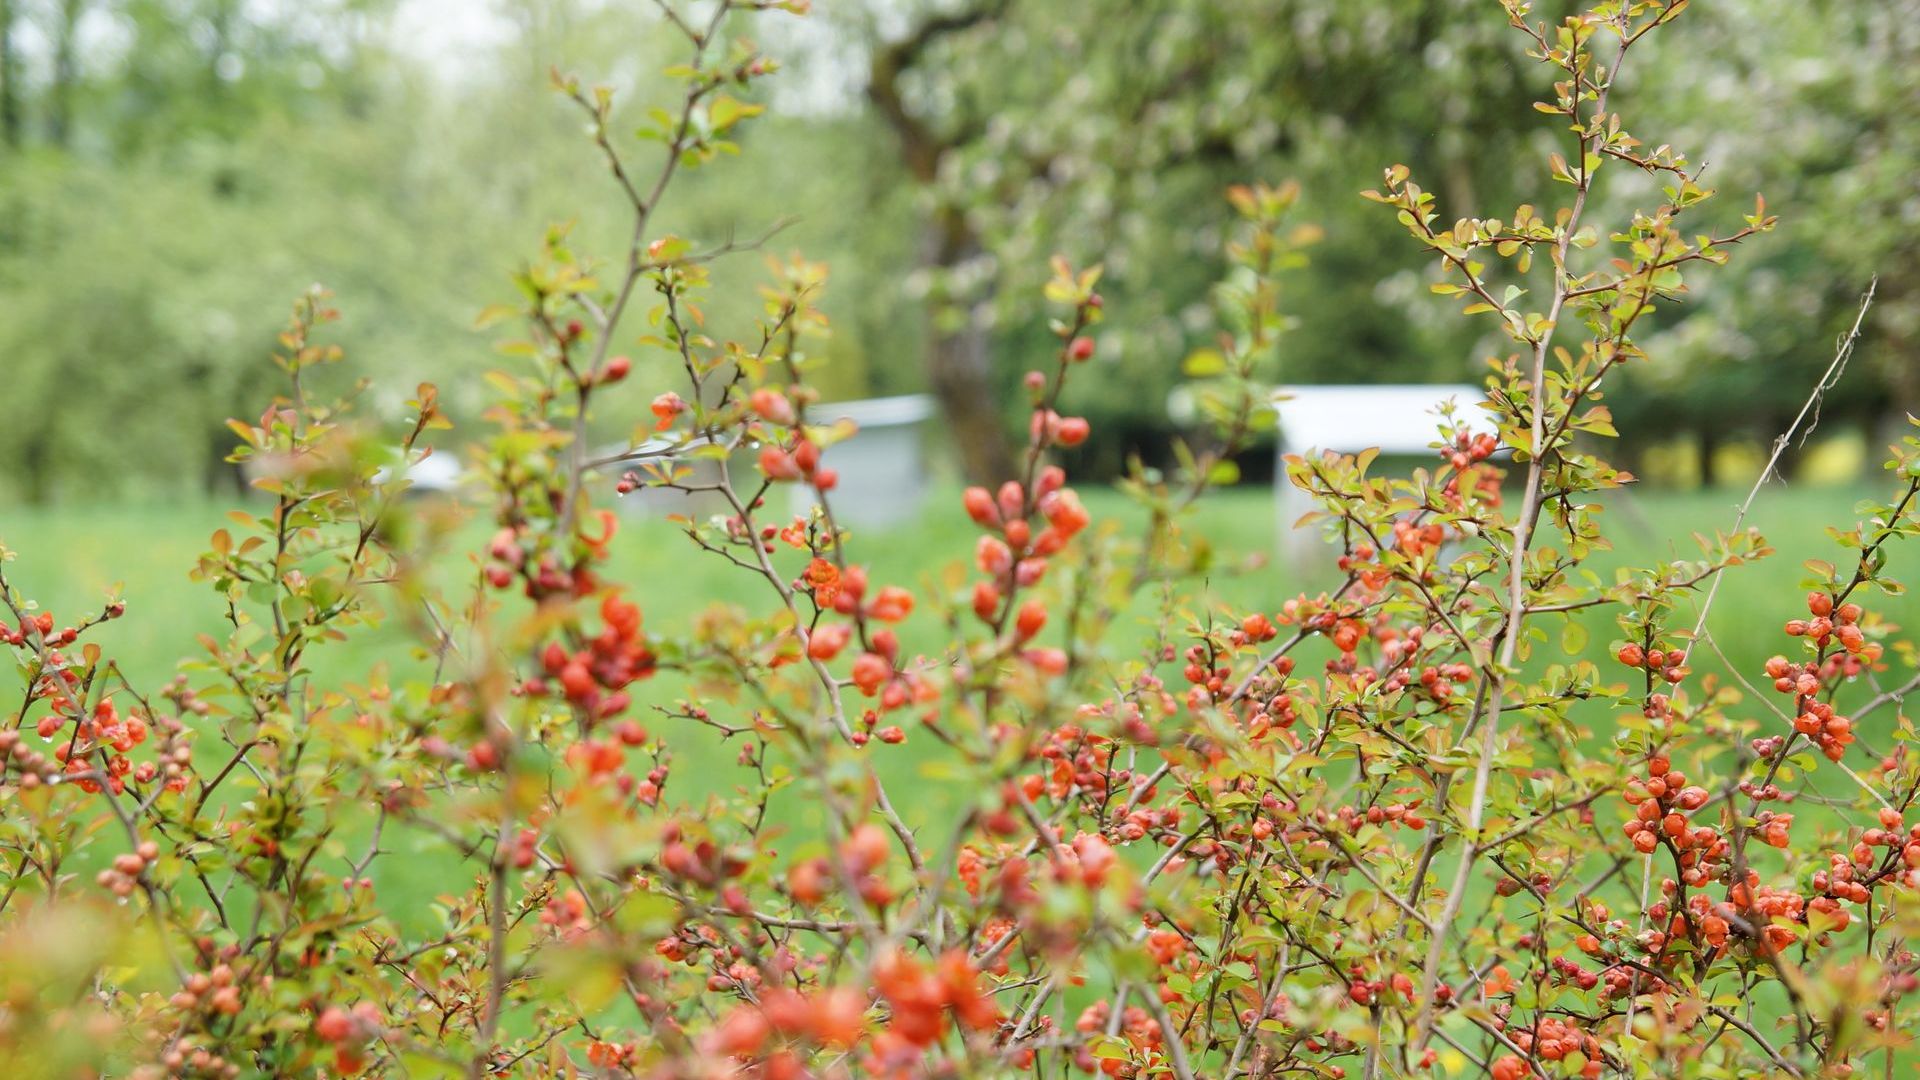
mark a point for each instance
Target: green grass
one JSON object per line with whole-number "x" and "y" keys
{"x": 69, "y": 558}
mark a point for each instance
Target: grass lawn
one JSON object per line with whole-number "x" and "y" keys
{"x": 70, "y": 557}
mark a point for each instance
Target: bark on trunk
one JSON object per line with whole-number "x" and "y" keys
{"x": 65, "y": 74}
{"x": 36, "y": 466}
{"x": 959, "y": 359}
{"x": 9, "y": 80}
{"x": 1889, "y": 341}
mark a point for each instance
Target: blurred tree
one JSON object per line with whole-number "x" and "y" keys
{"x": 1831, "y": 143}
{"x": 132, "y": 268}
{"x": 66, "y": 72}
{"x": 225, "y": 155}
{"x": 957, "y": 356}
{"x": 216, "y": 156}
{"x": 9, "y": 79}
{"x": 1110, "y": 129}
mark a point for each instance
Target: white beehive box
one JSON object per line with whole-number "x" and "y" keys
{"x": 882, "y": 466}
{"x": 1395, "y": 419}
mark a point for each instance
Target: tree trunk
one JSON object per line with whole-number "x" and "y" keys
{"x": 218, "y": 476}
{"x": 1707, "y": 444}
{"x": 36, "y": 464}
{"x": 9, "y": 80}
{"x": 65, "y": 74}
{"x": 959, "y": 358}
{"x": 1889, "y": 342}
{"x": 959, "y": 370}
{"x": 959, "y": 362}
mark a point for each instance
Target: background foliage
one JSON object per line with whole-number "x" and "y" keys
{"x": 219, "y": 156}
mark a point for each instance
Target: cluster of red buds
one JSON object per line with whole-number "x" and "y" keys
{"x": 1662, "y": 801}
{"x": 1668, "y": 664}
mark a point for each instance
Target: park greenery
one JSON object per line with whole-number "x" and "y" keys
{"x": 1526, "y": 776}
{"x": 219, "y": 156}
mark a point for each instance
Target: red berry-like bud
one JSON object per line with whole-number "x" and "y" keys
{"x": 576, "y": 681}
{"x": 777, "y": 464}
{"x": 826, "y": 641}
{"x": 986, "y": 600}
{"x": 1012, "y": 499}
{"x": 1033, "y": 616}
{"x": 333, "y": 1025}
{"x": 980, "y": 507}
{"x": 665, "y": 409}
{"x": 772, "y": 405}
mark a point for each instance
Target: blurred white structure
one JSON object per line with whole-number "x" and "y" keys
{"x": 438, "y": 473}
{"x": 882, "y": 467}
{"x": 1395, "y": 419}
{"x": 699, "y": 471}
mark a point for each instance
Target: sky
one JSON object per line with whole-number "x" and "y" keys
{"x": 824, "y": 66}
{"x": 447, "y": 33}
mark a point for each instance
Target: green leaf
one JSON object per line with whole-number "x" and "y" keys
{"x": 727, "y": 111}
{"x": 1224, "y": 473}
{"x": 1573, "y": 637}
{"x": 1204, "y": 362}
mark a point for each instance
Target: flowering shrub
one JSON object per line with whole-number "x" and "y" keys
{"x": 1396, "y": 827}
